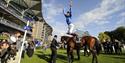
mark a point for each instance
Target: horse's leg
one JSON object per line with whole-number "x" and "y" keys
{"x": 71, "y": 57}
{"x": 94, "y": 56}
{"x": 78, "y": 53}
{"x": 120, "y": 50}
{"x": 88, "y": 51}
{"x": 85, "y": 50}
{"x": 84, "y": 53}
{"x": 94, "y": 53}
{"x": 68, "y": 54}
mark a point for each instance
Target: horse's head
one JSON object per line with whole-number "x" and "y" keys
{"x": 64, "y": 39}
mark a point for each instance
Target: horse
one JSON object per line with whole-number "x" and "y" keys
{"x": 93, "y": 46}
{"x": 71, "y": 45}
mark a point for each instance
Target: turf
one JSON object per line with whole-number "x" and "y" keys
{"x": 44, "y": 56}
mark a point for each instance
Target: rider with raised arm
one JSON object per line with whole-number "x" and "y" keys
{"x": 68, "y": 16}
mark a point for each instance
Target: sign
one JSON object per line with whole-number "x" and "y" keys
{"x": 27, "y": 28}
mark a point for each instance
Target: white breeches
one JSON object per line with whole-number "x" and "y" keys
{"x": 70, "y": 28}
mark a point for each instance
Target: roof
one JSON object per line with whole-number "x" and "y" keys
{"x": 33, "y": 6}
{"x": 30, "y": 7}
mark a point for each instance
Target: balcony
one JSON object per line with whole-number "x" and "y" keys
{"x": 12, "y": 25}
{"x": 12, "y": 10}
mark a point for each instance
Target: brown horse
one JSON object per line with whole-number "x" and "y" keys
{"x": 71, "y": 44}
{"x": 93, "y": 46}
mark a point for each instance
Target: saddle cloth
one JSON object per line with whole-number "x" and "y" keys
{"x": 68, "y": 35}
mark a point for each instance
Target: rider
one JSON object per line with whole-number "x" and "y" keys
{"x": 68, "y": 16}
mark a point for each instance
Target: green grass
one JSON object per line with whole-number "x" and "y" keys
{"x": 44, "y": 56}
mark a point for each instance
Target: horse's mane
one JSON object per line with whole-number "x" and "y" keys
{"x": 66, "y": 38}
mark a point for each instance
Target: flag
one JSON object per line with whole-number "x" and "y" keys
{"x": 27, "y": 28}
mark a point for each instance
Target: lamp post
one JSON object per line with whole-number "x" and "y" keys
{"x": 24, "y": 37}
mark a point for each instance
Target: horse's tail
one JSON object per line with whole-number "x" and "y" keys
{"x": 98, "y": 46}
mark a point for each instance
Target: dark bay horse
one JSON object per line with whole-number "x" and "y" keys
{"x": 71, "y": 44}
{"x": 93, "y": 46}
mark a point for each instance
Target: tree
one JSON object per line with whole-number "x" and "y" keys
{"x": 103, "y": 37}
{"x": 110, "y": 34}
{"x": 118, "y": 34}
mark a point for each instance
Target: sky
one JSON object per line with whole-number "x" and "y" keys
{"x": 94, "y": 16}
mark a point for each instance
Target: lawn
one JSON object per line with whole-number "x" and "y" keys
{"x": 44, "y": 56}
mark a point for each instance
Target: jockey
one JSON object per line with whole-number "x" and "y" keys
{"x": 68, "y": 16}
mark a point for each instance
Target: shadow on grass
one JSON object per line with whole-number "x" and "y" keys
{"x": 112, "y": 54}
{"x": 40, "y": 52}
{"x": 62, "y": 57}
{"x": 44, "y": 57}
{"x": 118, "y": 57}
{"x": 47, "y": 56}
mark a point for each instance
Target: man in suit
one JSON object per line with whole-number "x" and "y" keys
{"x": 54, "y": 46}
